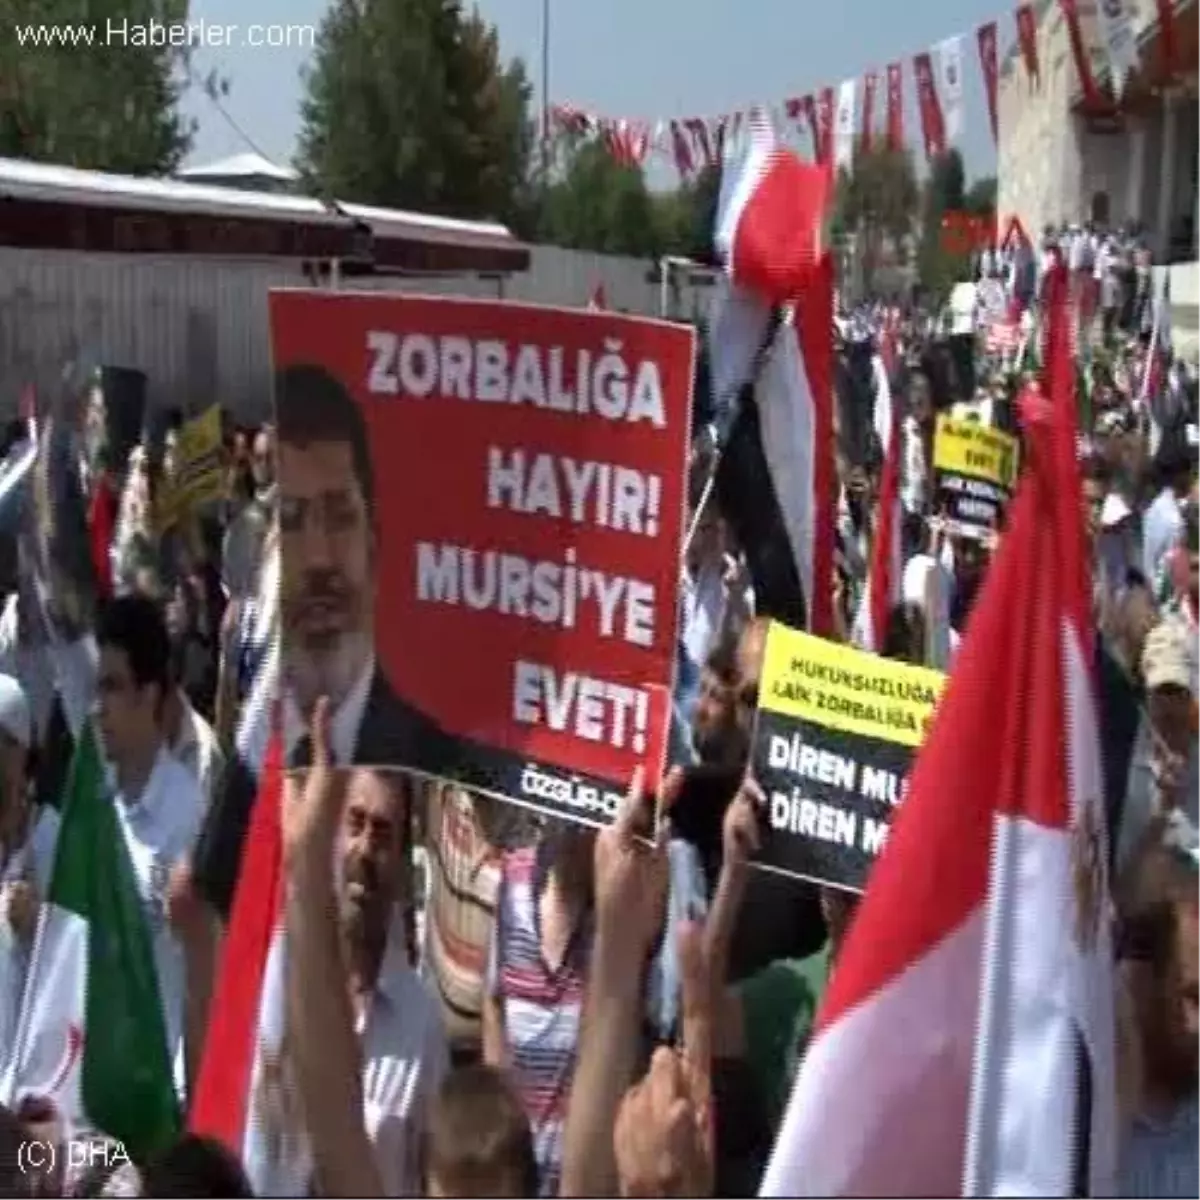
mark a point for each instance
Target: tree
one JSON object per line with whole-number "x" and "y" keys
{"x": 600, "y": 204}
{"x": 113, "y": 108}
{"x": 878, "y": 202}
{"x": 942, "y": 265}
{"x": 980, "y": 199}
{"x": 491, "y": 136}
{"x": 407, "y": 105}
{"x": 687, "y": 215}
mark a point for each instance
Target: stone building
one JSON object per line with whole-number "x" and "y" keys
{"x": 1134, "y": 160}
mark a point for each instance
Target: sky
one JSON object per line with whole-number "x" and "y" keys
{"x": 641, "y": 59}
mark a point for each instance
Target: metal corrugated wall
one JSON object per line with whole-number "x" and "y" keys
{"x": 198, "y": 328}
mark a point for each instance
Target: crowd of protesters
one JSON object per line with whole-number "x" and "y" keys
{"x": 484, "y": 1002}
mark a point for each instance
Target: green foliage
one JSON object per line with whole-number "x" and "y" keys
{"x": 599, "y": 204}
{"x": 941, "y": 266}
{"x": 877, "y": 201}
{"x": 687, "y": 215}
{"x": 407, "y": 105}
{"x": 111, "y": 108}
{"x": 981, "y": 196}
{"x": 596, "y": 203}
{"x": 879, "y": 193}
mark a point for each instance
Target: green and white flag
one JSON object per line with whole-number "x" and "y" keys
{"x": 91, "y": 1037}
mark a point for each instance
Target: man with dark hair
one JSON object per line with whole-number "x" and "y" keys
{"x": 158, "y": 801}
{"x": 195, "y": 1166}
{"x": 716, "y": 733}
{"x": 478, "y": 1141}
{"x": 327, "y": 588}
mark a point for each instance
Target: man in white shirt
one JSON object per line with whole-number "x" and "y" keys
{"x": 23, "y": 656}
{"x": 1162, "y": 523}
{"x": 917, "y": 433}
{"x": 159, "y": 802}
{"x": 28, "y": 838}
{"x": 191, "y": 739}
{"x": 362, "y": 1023}
{"x": 1074, "y": 247}
{"x": 242, "y": 549}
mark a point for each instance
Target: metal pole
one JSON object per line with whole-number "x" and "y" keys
{"x": 546, "y": 93}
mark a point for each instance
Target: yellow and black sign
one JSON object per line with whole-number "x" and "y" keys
{"x": 835, "y": 734}
{"x": 198, "y": 459}
{"x": 975, "y": 468}
{"x": 198, "y": 476}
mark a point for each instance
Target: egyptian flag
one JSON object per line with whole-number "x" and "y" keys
{"x": 771, "y": 351}
{"x": 243, "y": 1096}
{"x": 885, "y": 570}
{"x": 965, "y": 1044}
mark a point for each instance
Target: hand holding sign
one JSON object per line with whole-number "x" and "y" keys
{"x": 740, "y": 835}
{"x": 632, "y": 873}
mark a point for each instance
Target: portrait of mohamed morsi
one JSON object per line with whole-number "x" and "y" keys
{"x": 328, "y": 580}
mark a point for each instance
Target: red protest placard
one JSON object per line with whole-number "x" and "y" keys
{"x": 481, "y": 511}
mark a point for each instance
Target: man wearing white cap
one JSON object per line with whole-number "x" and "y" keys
{"x": 1164, "y": 771}
{"x": 28, "y": 837}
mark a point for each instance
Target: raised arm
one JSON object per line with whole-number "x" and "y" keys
{"x": 321, "y": 1037}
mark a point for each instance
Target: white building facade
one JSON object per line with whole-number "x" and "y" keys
{"x": 1132, "y": 161}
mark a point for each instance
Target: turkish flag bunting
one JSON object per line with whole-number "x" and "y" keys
{"x": 682, "y": 152}
{"x": 697, "y": 127}
{"x": 1083, "y": 64}
{"x": 986, "y": 34}
{"x": 870, "y": 83}
{"x": 933, "y": 127}
{"x": 895, "y": 106}
{"x": 823, "y": 128}
{"x": 1027, "y": 37}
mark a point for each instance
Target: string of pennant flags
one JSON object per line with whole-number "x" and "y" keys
{"x": 839, "y": 118}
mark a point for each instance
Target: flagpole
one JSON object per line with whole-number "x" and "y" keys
{"x": 546, "y": 93}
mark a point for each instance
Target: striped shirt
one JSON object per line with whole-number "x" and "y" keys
{"x": 464, "y": 877}
{"x": 1161, "y": 1158}
{"x": 542, "y": 1006}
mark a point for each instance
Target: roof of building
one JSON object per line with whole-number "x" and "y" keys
{"x": 239, "y": 166}
{"x": 399, "y": 239}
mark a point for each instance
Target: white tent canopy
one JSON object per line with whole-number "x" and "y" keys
{"x": 240, "y": 166}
